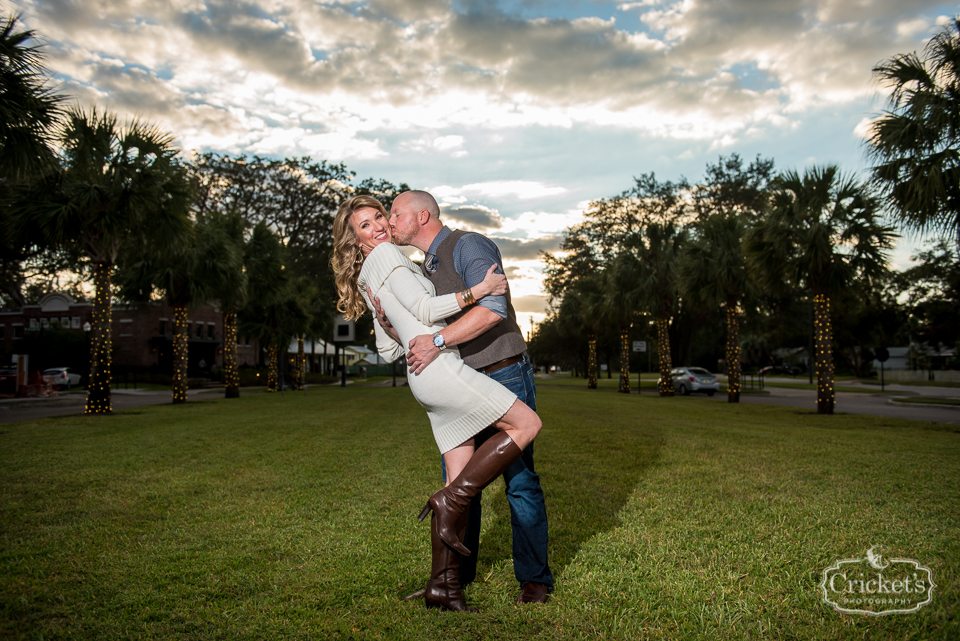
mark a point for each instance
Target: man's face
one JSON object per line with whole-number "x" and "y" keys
{"x": 404, "y": 221}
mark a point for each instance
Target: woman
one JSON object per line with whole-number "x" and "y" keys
{"x": 459, "y": 401}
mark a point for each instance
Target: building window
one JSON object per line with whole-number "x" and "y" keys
{"x": 211, "y": 330}
{"x": 199, "y": 330}
{"x": 163, "y": 326}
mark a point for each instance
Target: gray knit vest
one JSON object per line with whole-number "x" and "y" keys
{"x": 499, "y": 342}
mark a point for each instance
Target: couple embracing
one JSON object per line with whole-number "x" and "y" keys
{"x": 467, "y": 366}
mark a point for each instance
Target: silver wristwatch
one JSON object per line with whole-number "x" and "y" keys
{"x": 439, "y": 342}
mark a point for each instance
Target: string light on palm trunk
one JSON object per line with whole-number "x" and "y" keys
{"x": 101, "y": 349}
{"x": 592, "y": 361}
{"x": 823, "y": 344}
{"x": 273, "y": 370}
{"x": 665, "y": 383}
{"x": 624, "y": 360}
{"x": 180, "y": 353}
{"x": 231, "y": 375}
{"x": 300, "y": 363}
{"x": 733, "y": 352}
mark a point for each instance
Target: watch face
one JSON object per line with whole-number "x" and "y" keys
{"x": 438, "y": 340}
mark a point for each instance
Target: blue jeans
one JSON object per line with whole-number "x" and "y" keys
{"x": 528, "y": 512}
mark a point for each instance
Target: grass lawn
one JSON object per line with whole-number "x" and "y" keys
{"x": 294, "y": 517}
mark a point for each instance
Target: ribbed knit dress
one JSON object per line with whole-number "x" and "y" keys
{"x": 459, "y": 400}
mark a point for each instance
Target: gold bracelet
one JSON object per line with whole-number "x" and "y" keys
{"x": 467, "y": 297}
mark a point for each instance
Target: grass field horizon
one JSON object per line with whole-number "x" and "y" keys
{"x": 295, "y": 517}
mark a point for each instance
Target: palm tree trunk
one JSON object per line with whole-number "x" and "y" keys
{"x": 231, "y": 375}
{"x": 624, "y": 359}
{"x": 733, "y": 353}
{"x": 101, "y": 348}
{"x": 180, "y": 353}
{"x": 273, "y": 370}
{"x": 665, "y": 384}
{"x": 591, "y": 359}
{"x": 823, "y": 348}
{"x": 300, "y": 361}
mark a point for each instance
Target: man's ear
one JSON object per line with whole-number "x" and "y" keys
{"x": 423, "y": 217}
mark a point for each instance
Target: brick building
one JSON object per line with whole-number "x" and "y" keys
{"x": 142, "y": 336}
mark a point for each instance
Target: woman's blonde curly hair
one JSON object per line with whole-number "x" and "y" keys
{"x": 347, "y": 259}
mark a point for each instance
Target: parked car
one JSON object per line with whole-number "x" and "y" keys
{"x": 694, "y": 379}
{"x": 8, "y": 380}
{"x": 779, "y": 369}
{"x": 64, "y": 377}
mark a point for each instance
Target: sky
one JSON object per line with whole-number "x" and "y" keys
{"x": 514, "y": 114}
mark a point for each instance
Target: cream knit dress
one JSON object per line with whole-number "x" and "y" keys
{"x": 459, "y": 400}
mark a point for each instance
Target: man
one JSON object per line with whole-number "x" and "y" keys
{"x": 490, "y": 341}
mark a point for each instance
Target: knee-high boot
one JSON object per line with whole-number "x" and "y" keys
{"x": 450, "y": 503}
{"x": 443, "y": 590}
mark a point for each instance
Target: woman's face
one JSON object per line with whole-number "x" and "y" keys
{"x": 371, "y": 228}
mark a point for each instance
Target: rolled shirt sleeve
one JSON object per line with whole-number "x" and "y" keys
{"x": 472, "y": 257}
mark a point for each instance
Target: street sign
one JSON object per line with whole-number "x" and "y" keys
{"x": 343, "y": 330}
{"x": 639, "y": 346}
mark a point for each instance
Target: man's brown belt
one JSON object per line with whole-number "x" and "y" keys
{"x": 507, "y": 362}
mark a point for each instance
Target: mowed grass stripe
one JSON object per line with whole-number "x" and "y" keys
{"x": 294, "y": 517}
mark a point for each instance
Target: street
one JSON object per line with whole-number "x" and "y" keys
{"x": 876, "y": 403}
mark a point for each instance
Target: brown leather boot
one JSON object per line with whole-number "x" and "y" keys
{"x": 443, "y": 590}
{"x": 451, "y": 503}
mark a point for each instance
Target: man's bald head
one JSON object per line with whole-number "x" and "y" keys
{"x": 415, "y": 219}
{"x": 420, "y": 200}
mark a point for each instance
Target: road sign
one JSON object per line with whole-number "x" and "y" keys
{"x": 343, "y": 330}
{"x": 639, "y": 346}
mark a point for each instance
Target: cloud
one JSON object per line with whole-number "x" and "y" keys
{"x": 451, "y": 145}
{"x": 514, "y": 189}
{"x": 697, "y": 70}
{"x": 513, "y": 249}
{"x": 473, "y": 217}
{"x": 530, "y": 304}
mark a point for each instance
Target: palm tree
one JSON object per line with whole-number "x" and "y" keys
{"x": 713, "y": 269}
{"x": 574, "y": 284}
{"x": 713, "y": 272}
{"x": 622, "y": 299}
{"x": 822, "y": 232}
{"x": 916, "y": 142}
{"x": 659, "y": 257}
{"x": 206, "y": 266}
{"x": 29, "y": 114}
{"x": 230, "y": 292}
{"x": 29, "y": 110}
{"x": 270, "y": 297}
{"x": 116, "y": 186}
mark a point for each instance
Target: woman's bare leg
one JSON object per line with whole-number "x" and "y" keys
{"x": 521, "y": 423}
{"x": 456, "y": 459}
